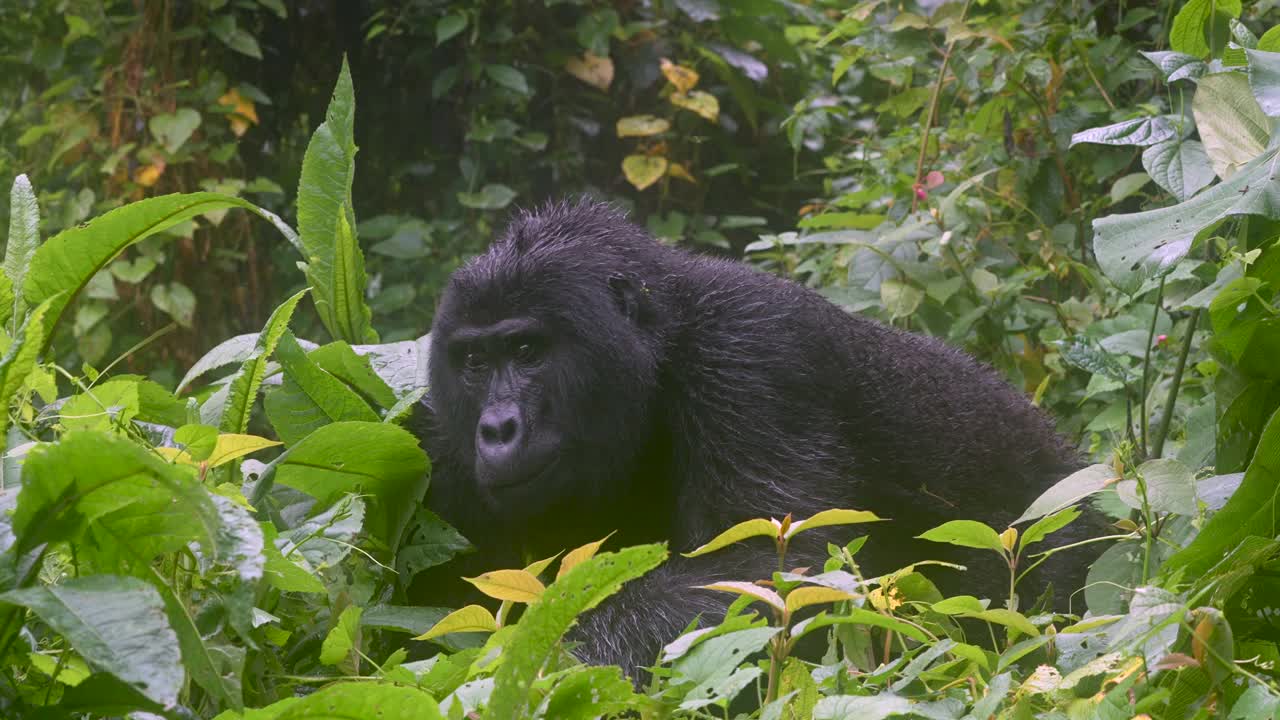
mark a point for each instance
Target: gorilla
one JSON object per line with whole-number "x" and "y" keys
{"x": 587, "y": 379}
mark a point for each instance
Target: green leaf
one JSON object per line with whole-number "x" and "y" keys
{"x": 1250, "y": 511}
{"x": 1270, "y": 40}
{"x": 20, "y": 359}
{"x": 1171, "y": 488}
{"x": 172, "y": 130}
{"x": 1008, "y": 618}
{"x": 592, "y": 692}
{"x": 224, "y": 28}
{"x": 859, "y": 707}
{"x": 1047, "y": 525}
{"x": 326, "y": 221}
{"x": 1231, "y": 125}
{"x": 341, "y": 361}
{"x": 24, "y": 238}
{"x": 66, "y": 262}
{"x": 243, "y": 388}
{"x": 202, "y": 660}
{"x": 859, "y": 616}
{"x": 508, "y": 77}
{"x": 750, "y": 590}
{"x": 386, "y": 463}
{"x": 755, "y": 527}
{"x": 136, "y": 505}
{"x": 1139, "y": 131}
{"x": 309, "y": 397}
{"x": 545, "y": 622}
{"x": 644, "y": 170}
{"x": 827, "y": 518}
{"x": 351, "y": 700}
{"x": 343, "y": 638}
{"x": 1176, "y": 66}
{"x": 234, "y": 350}
{"x": 1197, "y": 21}
{"x": 965, "y": 533}
{"x": 491, "y": 197}
{"x": 1180, "y": 166}
{"x": 959, "y": 605}
{"x": 1128, "y": 185}
{"x": 197, "y": 440}
{"x": 641, "y": 126}
{"x": 116, "y": 624}
{"x": 1264, "y": 80}
{"x": 284, "y": 574}
{"x": 175, "y": 300}
{"x": 1133, "y": 248}
{"x": 1070, "y": 490}
{"x": 449, "y": 26}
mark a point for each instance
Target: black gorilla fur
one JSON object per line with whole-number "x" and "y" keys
{"x": 668, "y": 396}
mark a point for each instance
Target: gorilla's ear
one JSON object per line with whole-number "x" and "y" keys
{"x": 629, "y": 295}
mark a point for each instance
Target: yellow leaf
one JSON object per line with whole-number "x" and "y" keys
{"x": 147, "y": 175}
{"x": 743, "y": 530}
{"x": 745, "y": 588}
{"x": 641, "y": 126}
{"x": 682, "y": 77}
{"x": 231, "y": 446}
{"x": 676, "y": 170}
{"x": 591, "y": 69}
{"x": 175, "y": 455}
{"x": 580, "y": 555}
{"x": 697, "y": 101}
{"x": 471, "y": 618}
{"x": 832, "y": 517}
{"x": 242, "y": 112}
{"x": 1009, "y": 538}
{"x": 814, "y": 595}
{"x": 535, "y": 569}
{"x": 643, "y": 170}
{"x": 513, "y": 585}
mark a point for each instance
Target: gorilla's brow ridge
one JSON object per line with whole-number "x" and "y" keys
{"x": 502, "y": 328}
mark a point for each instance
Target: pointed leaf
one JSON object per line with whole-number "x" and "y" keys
{"x": 1231, "y": 125}
{"x": 1180, "y": 166}
{"x": 309, "y": 397}
{"x": 471, "y": 618}
{"x": 642, "y": 126}
{"x": 965, "y": 533}
{"x": 20, "y": 359}
{"x": 807, "y": 595}
{"x": 755, "y": 527}
{"x": 242, "y": 391}
{"x": 232, "y": 446}
{"x": 580, "y": 555}
{"x": 1138, "y": 131}
{"x": 827, "y": 518}
{"x": 643, "y": 170}
{"x": 1071, "y": 490}
{"x": 763, "y": 594}
{"x": 24, "y": 238}
{"x": 514, "y": 585}
{"x": 117, "y": 624}
{"x": 1041, "y": 528}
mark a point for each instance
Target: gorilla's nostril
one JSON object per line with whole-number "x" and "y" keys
{"x": 499, "y": 430}
{"x": 507, "y": 431}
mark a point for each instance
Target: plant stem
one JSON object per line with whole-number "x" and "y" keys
{"x": 1146, "y": 366}
{"x": 1157, "y": 445}
{"x": 927, "y": 126}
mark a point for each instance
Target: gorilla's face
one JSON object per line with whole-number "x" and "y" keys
{"x": 545, "y": 393}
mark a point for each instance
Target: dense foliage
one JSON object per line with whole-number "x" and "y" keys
{"x": 1085, "y": 195}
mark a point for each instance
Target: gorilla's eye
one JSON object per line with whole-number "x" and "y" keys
{"x": 473, "y": 361}
{"x": 527, "y": 351}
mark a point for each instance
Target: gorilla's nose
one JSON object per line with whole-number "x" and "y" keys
{"x": 499, "y": 434}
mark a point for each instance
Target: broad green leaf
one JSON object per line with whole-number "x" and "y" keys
{"x": 1008, "y": 618}
{"x": 234, "y": 350}
{"x": 134, "y": 503}
{"x": 386, "y": 463}
{"x": 471, "y": 618}
{"x": 966, "y": 533}
{"x": 411, "y": 619}
{"x": 1128, "y": 185}
{"x": 1048, "y": 524}
{"x": 807, "y": 595}
{"x": 1231, "y": 125}
{"x": 1171, "y": 488}
{"x": 827, "y": 518}
{"x": 201, "y": 660}
{"x": 172, "y": 130}
{"x": 709, "y": 670}
{"x": 1251, "y": 510}
{"x": 860, "y": 707}
{"x": 593, "y": 692}
{"x": 1199, "y": 20}
{"x": 747, "y": 589}
{"x": 352, "y": 700}
{"x": 343, "y": 638}
{"x": 643, "y": 170}
{"x": 959, "y": 605}
{"x": 341, "y": 361}
{"x": 1270, "y": 40}
{"x": 175, "y": 300}
{"x": 242, "y": 391}
{"x": 843, "y": 220}
{"x": 24, "y": 238}
{"x": 326, "y": 220}
{"x": 511, "y": 585}
{"x": 1070, "y": 490}
{"x": 66, "y": 262}
{"x": 859, "y": 616}
{"x": 1180, "y": 166}
{"x": 1133, "y": 248}
{"x": 449, "y": 26}
{"x": 1177, "y": 66}
{"x": 1139, "y": 131}
{"x": 756, "y": 527}
{"x": 508, "y": 77}
{"x": 642, "y": 126}
{"x": 284, "y": 574}
{"x": 1264, "y": 80}
{"x": 543, "y": 624}
{"x": 197, "y": 441}
{"x": 309, "y": 398}
{"x": 242, "y": 41}
{"x": 116, "y": 624}
{"x": 579, "y": 555}
{"x": 493, "y": 196}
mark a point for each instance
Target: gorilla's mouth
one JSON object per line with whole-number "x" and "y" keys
{"x": 509, "y": 480}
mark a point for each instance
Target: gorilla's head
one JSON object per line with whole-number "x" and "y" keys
{"x": 545, "y": 360}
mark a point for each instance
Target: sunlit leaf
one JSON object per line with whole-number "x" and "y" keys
{"x": 827, "y": 518}
{"x": 471, "y": 618}
{"x": 643, "y": 170}
{"x": 514, "y": 585}
{"x": 755, "y": 527}
{"x": 751, "y": 590}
